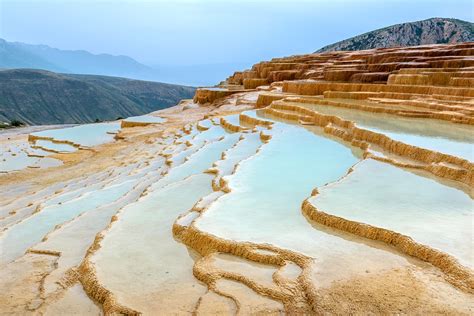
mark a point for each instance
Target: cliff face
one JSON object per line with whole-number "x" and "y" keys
{"x": 430, "y": 31}
{"x": 43, "y": 97}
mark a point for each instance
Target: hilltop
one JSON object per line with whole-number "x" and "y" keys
{"x": 44, "y": 97}
{"x": 430, "y": 31}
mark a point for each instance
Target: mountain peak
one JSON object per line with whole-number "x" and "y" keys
{"x": 430, "y": 31}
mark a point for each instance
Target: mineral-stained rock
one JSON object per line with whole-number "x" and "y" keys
{"x": 207, "y": 95}
{"x": 214, "y": 209}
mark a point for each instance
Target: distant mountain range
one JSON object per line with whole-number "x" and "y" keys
{"x": 47, "y": 97}
{"x": 430, "y": 31}
{"x": 20, "y": 55}
{"x": 44, "y": 97}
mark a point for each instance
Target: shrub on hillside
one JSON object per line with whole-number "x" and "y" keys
{"x": 16, "y": 123}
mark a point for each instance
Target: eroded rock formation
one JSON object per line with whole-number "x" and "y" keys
{"x": 118, "y": 229}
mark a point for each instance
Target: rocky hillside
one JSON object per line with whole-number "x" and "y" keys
{"x": 430, "y": 31}
{"x": 43, "y": 97}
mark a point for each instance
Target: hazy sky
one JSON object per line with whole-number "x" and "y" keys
{"x": 185, "y": 32}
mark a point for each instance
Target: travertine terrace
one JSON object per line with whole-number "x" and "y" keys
{"x": 329, "y": 183}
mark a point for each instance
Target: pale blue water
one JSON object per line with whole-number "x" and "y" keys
{"x": 258, "y": 114}
{"x": 441, "y": 136}
{"x": 38, "y": 152}
{"x": 15, "y": 241}
{"x": 55, "y": 147}
{"x": 15, "y": 157}
{"x": 199, "y": 161}
{"x": 87, "y": 135}
{"x": 233, "y": 119}
{"x": 20, "y": 161}
{"x": 205, "y": 123}
{"x": 193, "y": 132}
{"x": 212, "y": 133}
{"x": 268, "y": 189}
{"x": 437, "y": 143}
{"x": 145, "y": 119}
{"x": 385, "y": 196}
{"x": 244, "y": 149}
{"x": 139, "y": 255}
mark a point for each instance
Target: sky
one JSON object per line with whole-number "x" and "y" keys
{"x": 193, "y": 32}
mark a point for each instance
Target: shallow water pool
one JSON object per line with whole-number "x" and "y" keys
{"x": 87, "y": 135}
{"x": 385, "y": 196}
